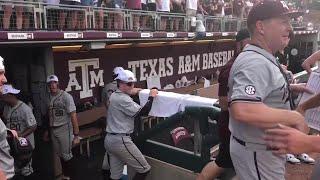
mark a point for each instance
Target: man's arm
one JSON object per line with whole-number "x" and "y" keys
{"x": 310, "y": 61}
{"x": 28, "y": 131}
{"x": 262, "y": 116}
{"x": 309, "y": 104}
{"x": 75, "y": 124}
{"x": 284, "y": 139}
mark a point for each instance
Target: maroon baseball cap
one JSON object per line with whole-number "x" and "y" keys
{"x": 267, "y": 9}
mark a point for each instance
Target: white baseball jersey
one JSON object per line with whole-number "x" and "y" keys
{"x": 60, "y": 108}
{"x": 6, "y": 160}
{"x": 20, "y": 118}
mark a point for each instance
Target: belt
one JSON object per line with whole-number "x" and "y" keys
{"x": 120, "y": 134}
{"x": 239, "y": 141}
{"x": 253, "y": 146}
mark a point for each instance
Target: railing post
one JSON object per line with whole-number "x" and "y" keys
{"x": 45, "y": 17}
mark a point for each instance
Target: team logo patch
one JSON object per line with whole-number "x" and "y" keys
{"x": 23, "y": 142}
{"x": 250, "y": 90}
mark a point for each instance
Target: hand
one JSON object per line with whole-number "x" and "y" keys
{"x": 284, "y": 139}
{"x": 153, "y": 92}
{"x": 76, "y": 141}
{"x": 14, "y": 133}
{"x": 307, "y": 64}
{"x": 300, "y": 88}
{"x": 300, "y": 110}
{"x": 45, "y": 137}
{"x": 300, "y": 123}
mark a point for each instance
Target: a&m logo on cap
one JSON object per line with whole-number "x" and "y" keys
{"x": 23, "y": 142}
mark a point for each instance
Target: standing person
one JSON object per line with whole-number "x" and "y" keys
{"x": 19, "y": 117}
{"x": 6, "y": 160}
{"x": 163, "y": 6}
{"x": 259, "y": 94}
{"x": 223, "y": 161}
{"x": 283, "y": 59}
{"x": 121, "y": 114}
{"x": 191, "y": 11}
{"x": 135, "y": 5}
{"x": 111, "y": 87}
{"x": 105, "y": 97}
{"x": 63, "y": 124}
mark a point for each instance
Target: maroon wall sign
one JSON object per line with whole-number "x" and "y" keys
{"x": 84, "y": 73}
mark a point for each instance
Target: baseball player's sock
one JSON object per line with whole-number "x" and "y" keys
{"x": 67, "y": 168}
{"x": 141, "y": 176}
{"x": 106, "y": 174}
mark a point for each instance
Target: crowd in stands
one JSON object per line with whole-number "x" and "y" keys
{"x": 114, "y": 20}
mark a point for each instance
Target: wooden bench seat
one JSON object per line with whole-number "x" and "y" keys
{"x": 89, "y": 130}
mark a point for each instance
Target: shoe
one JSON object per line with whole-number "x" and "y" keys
{"x": 65, "y": 177}
{"x": 292, "y": 159}
{"x": 306, "y": 158}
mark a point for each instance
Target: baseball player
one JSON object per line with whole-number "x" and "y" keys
{"x": 259, "y": 94}
{"x": 223, "y": 160}
{"x": 19, "y": 117}
{"x": 110, "y": 87}
{"x": 6, "y": 160}
{"x": 63, "y": 124}
{"x": 120, "y": 124}
{"x": 105, "y": 96}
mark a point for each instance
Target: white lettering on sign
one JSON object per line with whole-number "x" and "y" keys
{"x": 171, "y": 35}
{"x": 208, "y": 34}
{"x": 95, "y": 79}
{"x": 191, "y": 34}
{"x": 146, "y": 35}
{"x": 20, "y": 36}
{"x": 113, "y": 35}
{"x": 225, "y": 34}
{"x": 72, "y": 35}
{"x": 164, "y": 67}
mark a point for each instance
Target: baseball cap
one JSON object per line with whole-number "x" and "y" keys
{"x": 242, "y": 34}
{"x": 117, "y": 70}
{"x": 8, "y": 89}
{"x": 52, "y": 78}
{"x": 268, "y": 9}
{"x": 126, "y": 76}
{"x": 1, "y": 63}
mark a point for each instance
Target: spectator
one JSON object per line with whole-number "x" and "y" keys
{"x": 7, "y": 16}
{"x": 86, "y": 3}
{"x": 152, "y": 5}
{"x": 201, "y": 9}
{"x": 117, "y": 17}
{"x": 100, "y": 13}
{"x": 238, "y": 8}
{"x": 144, "y": 19}
{"x": 20, "y": 20}
{"x": 53, "y": 20}
{"x": 177, "y": 7}
{"x": 163, "y": 6}
{"x": 220, "y": 8}
{"x": 227, "y": 9}
{"x": 135, "y": 5}
{"x": 191, "y": 7}
{"x": 191, "y": 11}
{"x": 74, "y": 21}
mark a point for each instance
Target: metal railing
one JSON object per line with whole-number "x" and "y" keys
{"x": 23, "y": 15}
